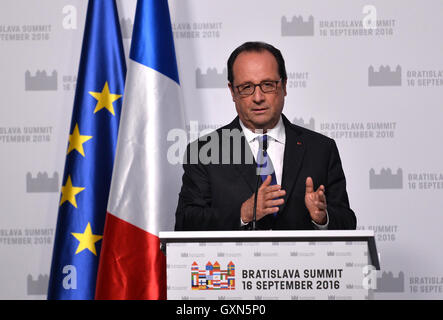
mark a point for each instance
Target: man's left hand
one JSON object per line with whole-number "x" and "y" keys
{"x": 315, "y": 201}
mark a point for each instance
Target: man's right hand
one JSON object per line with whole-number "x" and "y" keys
{"x": 268, "y": 200}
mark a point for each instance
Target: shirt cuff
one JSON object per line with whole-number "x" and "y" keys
{"x": 321, "y": 226}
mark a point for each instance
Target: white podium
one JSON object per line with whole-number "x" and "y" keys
{"x": 268, "y": 265}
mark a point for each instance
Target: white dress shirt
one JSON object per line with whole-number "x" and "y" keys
{"x": 276, "y": 145}
{"x": 276, "y": 151}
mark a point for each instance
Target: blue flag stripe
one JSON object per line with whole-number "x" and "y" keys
{"x": 152, "y": 41}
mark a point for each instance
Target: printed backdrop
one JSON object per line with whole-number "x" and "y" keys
{"x": 369, "y": 75}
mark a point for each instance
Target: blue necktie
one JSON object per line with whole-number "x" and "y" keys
{"x": 264, "y": 163}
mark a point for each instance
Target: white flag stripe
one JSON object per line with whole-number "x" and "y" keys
{"x": 145, "y": 186}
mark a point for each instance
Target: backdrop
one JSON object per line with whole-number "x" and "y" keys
{"x": 369, "y": 75}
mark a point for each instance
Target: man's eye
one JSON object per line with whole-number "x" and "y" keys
{"x": 267, "y": 84}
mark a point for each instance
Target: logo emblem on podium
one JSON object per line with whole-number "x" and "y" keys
{"x": 212, "y": 277}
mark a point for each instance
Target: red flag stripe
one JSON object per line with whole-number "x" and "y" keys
{"x": 127, "y": 251}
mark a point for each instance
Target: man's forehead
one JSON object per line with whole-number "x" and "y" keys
{"x": 255, "y": 66}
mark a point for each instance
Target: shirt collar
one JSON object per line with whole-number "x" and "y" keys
{"x": 277, "y": 133}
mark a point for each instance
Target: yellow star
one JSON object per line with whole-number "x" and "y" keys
{"x": 87, "y": 240}
{"x": 76, "y": 141}
{"x": 105, "y": 99}
{"x": 69, "y": 192}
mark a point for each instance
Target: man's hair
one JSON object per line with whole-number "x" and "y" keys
{"x": 257, "y": 46}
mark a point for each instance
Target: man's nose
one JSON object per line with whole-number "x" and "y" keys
{"x": 258, "y": 96}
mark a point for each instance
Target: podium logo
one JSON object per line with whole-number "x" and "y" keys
{"x": 41, "y": 81}
{"x": 297, "y": 26}
{"x": 386, "y": 179}
{"x": 212, "y": 277}
{"x": 384, "y": 76}
{"x": 212, "y": 79}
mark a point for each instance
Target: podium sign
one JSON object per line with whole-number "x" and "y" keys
{"x": 265, "y": 265}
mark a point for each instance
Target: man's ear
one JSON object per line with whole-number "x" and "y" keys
{"x": 283, "y": 86}
{"x": 231, "y": 88}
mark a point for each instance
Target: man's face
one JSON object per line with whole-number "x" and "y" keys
{"x": 259, "y": 110}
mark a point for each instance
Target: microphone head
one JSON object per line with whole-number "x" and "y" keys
{"x": 265, "y": 142}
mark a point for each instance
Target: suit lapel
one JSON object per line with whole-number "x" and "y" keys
{"x": 293, "y": 158}
{"x": 246, "y": 170}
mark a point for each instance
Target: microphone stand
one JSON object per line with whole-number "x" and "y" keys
{"x": 254, "y": 211}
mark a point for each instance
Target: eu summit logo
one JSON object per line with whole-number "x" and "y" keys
{"x": 212, "y": 277}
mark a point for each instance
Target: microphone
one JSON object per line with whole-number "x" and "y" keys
{"x": 263, "y": 143}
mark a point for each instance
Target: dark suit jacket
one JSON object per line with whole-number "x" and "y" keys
{"x": 212, "y": 194}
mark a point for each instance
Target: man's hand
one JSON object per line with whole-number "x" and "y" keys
{"x": 315, "y": 201}
{"x": 267, "y": 202}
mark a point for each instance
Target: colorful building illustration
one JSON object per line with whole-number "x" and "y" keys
{"x": 212, "y": 277}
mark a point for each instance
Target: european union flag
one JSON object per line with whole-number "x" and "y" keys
{"x": 90, "y": 155}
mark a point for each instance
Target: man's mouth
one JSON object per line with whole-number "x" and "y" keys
{"x": 259, "y": 110}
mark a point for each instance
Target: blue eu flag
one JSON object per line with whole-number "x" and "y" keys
{"x": 90, "y": 155}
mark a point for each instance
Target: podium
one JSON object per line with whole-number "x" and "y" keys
{"x": 270, "y": 265}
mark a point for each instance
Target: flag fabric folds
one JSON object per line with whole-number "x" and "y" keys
{"x": 145, "y": 185}
{"x": 90, "y": 156}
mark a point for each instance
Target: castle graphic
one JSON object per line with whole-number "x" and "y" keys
{"x": 301, "y": 122}
{"x": 212, "y": 79}
{"x": 297, "y": 26}
{"x": 384, "y": 76}
{"x": 38, "y": 286}
{"x": 389, "y": 283}
{"x": 42, "y": 182}
{"x": 41, "y": 81}
{"x": 212, "y": 277}
{"x": 386, "y": 179}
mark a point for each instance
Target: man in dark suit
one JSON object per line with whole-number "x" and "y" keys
{"x": 303, "y": 187}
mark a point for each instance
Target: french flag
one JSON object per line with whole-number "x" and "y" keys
{"x": 144, "y": 184}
